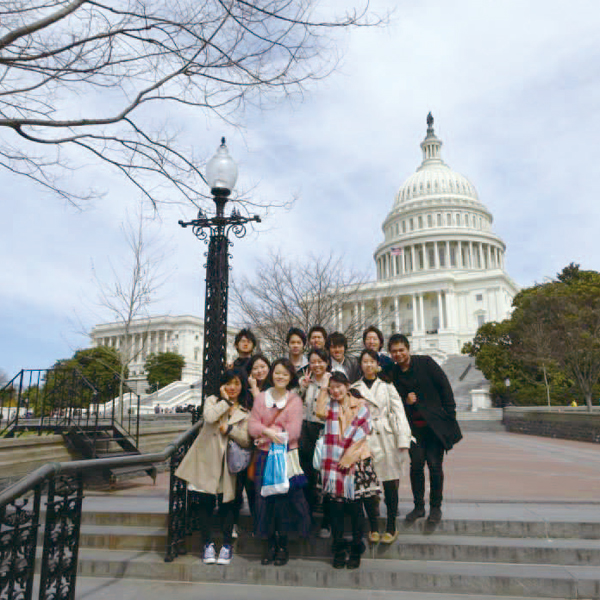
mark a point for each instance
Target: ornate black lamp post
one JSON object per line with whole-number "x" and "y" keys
{"x": 221, "y": 175}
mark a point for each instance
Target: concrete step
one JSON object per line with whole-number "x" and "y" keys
{"x": 99, "y": 588}
{"x": 408, "y": 547}
{"x": 449, "y": 526}
{"x": 549, "y": 581}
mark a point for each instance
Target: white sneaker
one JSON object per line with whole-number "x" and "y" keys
{"x": 225, "y": 555}
{"x": 325, "y": 533}
{"x": 210, "y": 555}
{"x": 234, "y": 532}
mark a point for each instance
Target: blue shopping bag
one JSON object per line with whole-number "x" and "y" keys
{"x": 275, "y": 479}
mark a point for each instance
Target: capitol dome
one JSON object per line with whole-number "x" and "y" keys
{"x": 437, "y": 222}
{"x": 434, "y": 178}
{"x": 440, "y": 267}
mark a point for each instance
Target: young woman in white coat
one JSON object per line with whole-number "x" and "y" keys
{"x": 389, "y": 440}
{"x": 204, "y": 466}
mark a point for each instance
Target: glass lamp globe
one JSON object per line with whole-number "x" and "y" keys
{"x": 221, "y": 171}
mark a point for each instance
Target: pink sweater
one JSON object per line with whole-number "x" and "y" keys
{"x": 289, "y": 419}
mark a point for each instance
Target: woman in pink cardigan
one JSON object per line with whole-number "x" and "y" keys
{"x": 275, "y": 411}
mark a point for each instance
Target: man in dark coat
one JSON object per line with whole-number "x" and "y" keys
{"x": 431, "y": 412}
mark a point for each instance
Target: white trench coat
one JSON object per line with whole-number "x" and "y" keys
{"x": 390, "y": 438}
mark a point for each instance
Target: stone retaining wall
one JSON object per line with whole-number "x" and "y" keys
{"x": 21, "y": 455}
{"x": 577, "y": 425}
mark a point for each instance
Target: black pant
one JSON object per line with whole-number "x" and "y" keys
{"x": 371, "y": 505}
{"x": 427, "y": 449}
{"x": 243, "y": 482}
{"x": 306, "y": 450}
{"x": 204, "y": 506}
{"x": 390, "y": 495}
{"x": 337, "y": 511}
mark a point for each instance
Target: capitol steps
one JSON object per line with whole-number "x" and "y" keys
{"x": 525, "y": 559}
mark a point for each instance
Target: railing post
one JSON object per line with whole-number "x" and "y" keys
{"x": 178, "y": 507}
{"x": 18, "y": 540}
{"x": 61, "y": 538}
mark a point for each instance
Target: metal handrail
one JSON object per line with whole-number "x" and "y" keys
{"x": 19, "y": 521}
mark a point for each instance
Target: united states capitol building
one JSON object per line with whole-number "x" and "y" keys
{"x": 440, "y": 266}
{"x": 440, "y": 276}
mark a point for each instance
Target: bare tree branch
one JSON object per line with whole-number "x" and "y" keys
{"x": 284, "y": 293}
{"x": 58, "y": 58}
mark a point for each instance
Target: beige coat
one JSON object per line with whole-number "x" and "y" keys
{"x": 205, "y": 464}
{"x": 390, "y": 438}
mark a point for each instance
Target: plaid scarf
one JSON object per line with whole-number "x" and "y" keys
{"x": 339, "y": 482}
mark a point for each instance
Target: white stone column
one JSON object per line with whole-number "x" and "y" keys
{"x": 340, "y": 318}
{"x": 422, "y": 311}
{"x": 397, "y": 312}
{"x": 362, "y": 314}
{"x": 448, "y": 261}
{"x": 441, "y": 323}
{"x": 459, "y": 256}
{"x": 471, "y": 265}
{"x": 414, "y": 311}
{"x": 379, "y": 313}
{"x": 436, "y": 255}
{"x": 450, "y": 309}
{"x": 413, "y": 264}
{"x": 480, "y": 254}
{"x": 489, "y": 255}
{"x": 402, "y": 263}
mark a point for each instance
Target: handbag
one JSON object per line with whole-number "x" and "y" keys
{"x": 275, "y": 478}
{"x": 238, "y": 458}
{"x": 318, "y": 454}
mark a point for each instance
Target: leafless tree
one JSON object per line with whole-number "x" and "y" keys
{"x": 89, "y": 80}
{"x": 132, "y": 289}
{"x": 286, "y": 293}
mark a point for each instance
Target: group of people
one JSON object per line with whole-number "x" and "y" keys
{"x": 348, "y": 425}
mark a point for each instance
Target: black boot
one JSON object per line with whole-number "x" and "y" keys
{"x": 418, "y": 512}
{"x": 282, "y": 556}
{"x": 269, "y": 551}
{"x": 356, "y": 549}
{"x": 339, "y": 554}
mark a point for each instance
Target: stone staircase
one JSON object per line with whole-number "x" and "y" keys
{"x": 464, "y": 376}
{"x": 492, "y": 551}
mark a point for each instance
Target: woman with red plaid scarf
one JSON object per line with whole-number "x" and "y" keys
{"x": 345, "y": 464}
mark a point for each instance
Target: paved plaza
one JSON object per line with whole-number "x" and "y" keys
{"x": 487, "y": 467}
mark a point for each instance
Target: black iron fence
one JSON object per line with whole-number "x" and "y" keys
{"x": 59, "y": 398}
{"x": 59, "y": 487}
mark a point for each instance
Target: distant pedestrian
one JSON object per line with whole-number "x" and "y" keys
{"x": 431, "y": 411}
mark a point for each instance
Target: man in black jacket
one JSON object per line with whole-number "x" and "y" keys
{"x": 431, "y": 412}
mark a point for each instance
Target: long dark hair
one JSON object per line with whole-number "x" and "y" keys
{"x": 245, "y": 399}
{"x": 256, "y": 357}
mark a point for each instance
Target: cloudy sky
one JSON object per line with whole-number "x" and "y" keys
{"x": 514, "y": 88}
